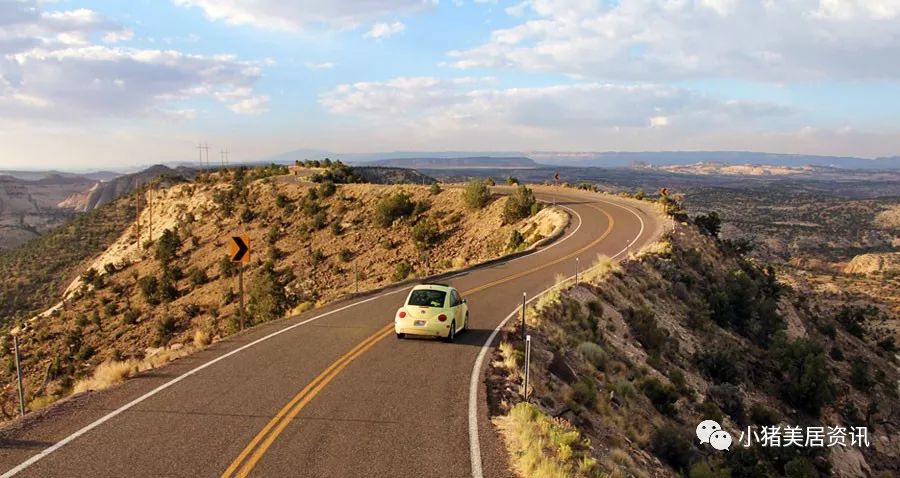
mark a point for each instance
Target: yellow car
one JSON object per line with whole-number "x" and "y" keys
{"x": 433, "y": 310}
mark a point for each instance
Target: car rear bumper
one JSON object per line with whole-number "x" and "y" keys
{"x": 431, "y": 329}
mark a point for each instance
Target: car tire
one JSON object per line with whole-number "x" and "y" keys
{"x": 466, "y": 323}
{"x": 400, "y": 336}
{"x": 451, "y": 336}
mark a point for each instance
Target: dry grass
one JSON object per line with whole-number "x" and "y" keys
{"x": 112, "y": 372}
{"x": 602, "y": 267}
{"x": 108, "y": 374}
{"x": 510, "y": 357}
{"x": 202, "y": 338}
{"x": 541, "y": 446}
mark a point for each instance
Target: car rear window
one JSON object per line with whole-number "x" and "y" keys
{"x": 427, "y": 298}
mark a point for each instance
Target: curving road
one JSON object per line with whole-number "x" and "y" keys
{"x": 328, "y": 394}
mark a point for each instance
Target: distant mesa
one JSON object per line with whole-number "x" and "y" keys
{"x": 474, "y": 162}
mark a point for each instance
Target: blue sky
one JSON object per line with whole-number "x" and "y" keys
{"x": 92, "y": 84}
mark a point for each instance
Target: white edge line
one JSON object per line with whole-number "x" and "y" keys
{"x": 56, "y": 446}
{"x": 474, "y": 378}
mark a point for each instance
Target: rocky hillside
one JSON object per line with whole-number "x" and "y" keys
{"x": 626, "y": 364}
{"x": 166, "y": 286}
{"x": 887, "y": 263}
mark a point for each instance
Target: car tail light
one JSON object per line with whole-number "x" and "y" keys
{"x": 442, "y": 318}
{"x": 402, "y": 314}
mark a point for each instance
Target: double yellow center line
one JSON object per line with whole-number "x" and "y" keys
{"x": 254, "y": 451}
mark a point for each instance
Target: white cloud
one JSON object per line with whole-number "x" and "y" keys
{"x": 51, "y": 68}
{"x": 660, "y": 40}
{"x": 382, "y": 30}
{"x": 438, "y": 107}
{"x": 320, "y": 66}
{"x": 294, "y": 15}
{"x": 253, "y": 105}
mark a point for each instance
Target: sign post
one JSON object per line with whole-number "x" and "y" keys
{"x": 19, "y": 376}
{"x": 527, "y": 366}
{"x": 523, "y": 315}
{"x": 240, "y": 252}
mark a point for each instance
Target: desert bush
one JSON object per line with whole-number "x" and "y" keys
{"x": 227, "y": 267}
{"x": 402, "y": 271}
{"x": 673, "y": 445}
{"x": 662, "y": 396}
{"x": 709, "y": 224}
{"x": 268, "y": 300}
{"x": 106, "y": 374}
{"x": 426, "y": 234}
{"x": 519, "y": 205}
{"x": 762, "y": 415}
{"x": 512, "y": 181}
{"x": 149, "y": 286}
{"x": 859, "y": 375}
{"x": 167, "y": 246}
{"x": 720, "y": 365}
{"x": 346, "y": 255}
{"x": 477, "y": 194}
{"x": 393, "y": 207}
{"x": 748, "y": 303}
{"x": 197, "y": 276}
{"x": 643, "y": 325}
{"x": 728, "y": 398}
{"x": 165, "y": 328}
{"x": 327, "y": 189}
{"x": 804, "y": 373}
{"x": 584, "y": 392}
{"x": 435, "y": 189}
{"x": 516, "y": 240}
{"x": 131, "y": 316}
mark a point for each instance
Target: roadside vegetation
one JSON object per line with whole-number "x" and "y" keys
{"x": 695, "y": 328}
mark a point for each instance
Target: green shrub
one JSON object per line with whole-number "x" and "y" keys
{"x": 516, "y": 240}
{"x": 426, "y": 234}
{"x": 268, "y": 300}
{"x": 512, "y": 181}
{"x": 167, "y": 246}
{"x": 594, "y": 354}
{"x": 346, "y": 255}
{"x": 519, "y": 205}
{"x": 709, "y": 224}
{"x": 662, "y": 396}
{"x": 646, "y": 330}
{"x": 477, "y": 194}
{"x": 585, "y": 392}
{"x": 327, "y": 189}
{"x": 393, "y": 207}
{"x": 762, "y": 415}
{"x": 227, "y": 267}
{"x": 435, "y": 189}
{"x": 728, "y": 398}
{"x": 804, "y": 374}
{"x": 402, "y": 271}
{"x": 859, "y": 375}
{"x": 197, "y": 276}
{"x": 673, "y": 445}
{"x": 720, "y": 365}
{"x": 165, "y": 328}
{"x": 149, "y": 286}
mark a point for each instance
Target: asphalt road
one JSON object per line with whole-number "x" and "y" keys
{"x": 333, "y": 394}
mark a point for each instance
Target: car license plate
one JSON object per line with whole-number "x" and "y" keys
{"x": 420, "y": 323}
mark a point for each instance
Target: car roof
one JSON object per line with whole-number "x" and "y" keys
{"x": 434, "y": 286}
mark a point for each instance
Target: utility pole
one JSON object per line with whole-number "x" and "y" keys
{"x": 140, "y": 192}
{"x": 206, "y": 151}
{"x": 19, "y": 376}
{"x": 150, "y": 213}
